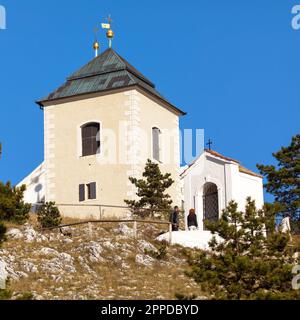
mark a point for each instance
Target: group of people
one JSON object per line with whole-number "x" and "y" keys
{"x": 191, "y": 219}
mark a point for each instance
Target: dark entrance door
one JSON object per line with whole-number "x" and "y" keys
{"x": 210, "y": 203}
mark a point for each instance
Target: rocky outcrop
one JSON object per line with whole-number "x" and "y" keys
{"x": 125, "y": 230}
{"x": 146, "y": 246}
{"x": 144, "y": 260}
{"x": 90, "y": 262}
{"x": 92, "y": 251}
{"x": 14, "y": 234}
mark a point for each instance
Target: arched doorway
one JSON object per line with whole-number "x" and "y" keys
{"x": 210, "y": 203}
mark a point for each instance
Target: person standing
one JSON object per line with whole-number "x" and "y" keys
{"x": 192, "y": 220}
{"x": 174, "y": 219}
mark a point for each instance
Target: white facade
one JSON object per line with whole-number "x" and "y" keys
{"x": 214, "y": 180}
{"x": 35, "y": 186}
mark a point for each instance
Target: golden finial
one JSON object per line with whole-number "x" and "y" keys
{"x": 109, "y": 34}
{"x": 96, "y": 44}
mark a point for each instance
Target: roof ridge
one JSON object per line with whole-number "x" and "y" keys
{"x": 125, "y": 65}
{"x": 129, "y": 67}
{"x": 217, "y": 154}
{"x": 249, "y": 171}
{"x": 108, "y": 71}
{"x": 87, "y": 75}
{"x": 99, "y": 72}
{"x": 132, "y": 77}
{"x": 242, "y": 168}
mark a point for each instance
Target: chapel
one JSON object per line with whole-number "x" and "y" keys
{"x": 100, "y": 128}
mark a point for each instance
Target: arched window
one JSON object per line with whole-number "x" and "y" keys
{"x": 210, "y": 202}
{"x": 90, "y": 137}
{"x": 156, "y": 143}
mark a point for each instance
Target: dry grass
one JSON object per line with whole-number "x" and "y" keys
{"x": 296, "y": 241}
{"x": 112, "y": 279}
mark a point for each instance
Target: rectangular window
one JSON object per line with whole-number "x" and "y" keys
{"x": 89, "y": 190}
{"x": 81, "y": 192}
{"x": 156, "y": 144}
{"x": 92, "y": 193}
{"x": 90, "y": 136}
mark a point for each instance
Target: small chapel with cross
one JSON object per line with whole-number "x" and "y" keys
{"x": 213, "y": 180}
{"x": 100, "y": 127}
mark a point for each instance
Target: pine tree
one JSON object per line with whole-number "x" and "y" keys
{"x": 246, "y": 264}
{"x": 48, "y": 215}
{"x": 283, "y": 181}
{"x": 151, "y": 191}
{"x": 12, "y": 206}
{"x": 271, "y": 211}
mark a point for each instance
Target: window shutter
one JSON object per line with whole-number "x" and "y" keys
{"x": 155, "y": 143}
{"x": 81, "y": 192}
{"x": 90, "y": 133}
{"x": 87, "y": 148}
{"x": 92, "y": 190}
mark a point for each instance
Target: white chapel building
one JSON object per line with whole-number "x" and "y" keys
{"x": 100, "y": 127}
{"x": 213, "y": 180}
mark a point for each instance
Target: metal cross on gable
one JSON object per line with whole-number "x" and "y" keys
{"x": 209, "y": 144}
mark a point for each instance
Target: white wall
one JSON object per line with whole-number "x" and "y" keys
{"x": 249, "y": 186}
{"x": 35, "y": 186}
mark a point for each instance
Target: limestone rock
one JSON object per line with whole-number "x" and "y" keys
{"x": 145, "y": 245}
{"x": 57, "y": 266}
{"x": 109, "y": 245}
{"x": 14, "y": 234}
{"x": 67, "y": 240}
{"x": 86, "y": 267}
{"x": 66, "y": 257}
{"x": 125, "y": 230}
{"x": 93, "y": 250}
{"x": 3, "y": 274}
{"x": 144, "y": 260}
{"x": 48, "y": 252}
{"x": 30, "y": 234}
{"x": 67, "y": 231}
{"x": 29, "y": 267}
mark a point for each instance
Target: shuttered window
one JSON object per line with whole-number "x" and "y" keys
{"x": 89, "y": 189}
{"x": 90, "y": 135}
{"x": 81, "y": 192}
{"x": 92, "y": 193}
{"x": 156, "y": 144}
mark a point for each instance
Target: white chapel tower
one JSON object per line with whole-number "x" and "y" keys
{"x": 100, "y": 127}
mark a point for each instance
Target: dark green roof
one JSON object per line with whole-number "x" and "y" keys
{"x": 106, "y": 72}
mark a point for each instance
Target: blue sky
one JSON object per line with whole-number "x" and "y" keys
{"x": 232, "y": 65}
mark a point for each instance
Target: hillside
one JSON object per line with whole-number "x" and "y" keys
{"x": 98, "y": 262}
